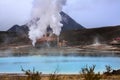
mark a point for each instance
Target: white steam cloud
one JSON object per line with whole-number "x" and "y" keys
{"x": 45, "y": 13}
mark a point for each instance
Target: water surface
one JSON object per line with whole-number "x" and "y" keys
{"x": 64, "y": 65}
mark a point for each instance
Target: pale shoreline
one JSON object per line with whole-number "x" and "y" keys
{"x": 25, "y": 50}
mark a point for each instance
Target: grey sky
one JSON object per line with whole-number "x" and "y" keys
{"x": 89, "y": 13}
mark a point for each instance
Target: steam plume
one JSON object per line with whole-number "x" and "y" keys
{"x": 45, "y": 13}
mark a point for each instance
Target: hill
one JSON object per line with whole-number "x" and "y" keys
{"x": 88, "y": 36}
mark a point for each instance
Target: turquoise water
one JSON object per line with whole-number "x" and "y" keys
{"x": 64, "y": 65}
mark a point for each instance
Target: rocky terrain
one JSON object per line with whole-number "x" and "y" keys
{"x": 88, "y": 36}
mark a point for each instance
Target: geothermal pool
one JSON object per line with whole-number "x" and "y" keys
{"x": 64, "y": 65}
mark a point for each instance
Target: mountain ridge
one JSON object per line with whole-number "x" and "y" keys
{"x": 67, "y": 21}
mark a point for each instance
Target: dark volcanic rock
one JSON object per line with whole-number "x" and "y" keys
{"x": 69, "y": 23}
{"x": 17, "y": 28}
{"x": 20, "y": 30}
{"x": 7, "y": 37}
{"x": 16, "y": 35}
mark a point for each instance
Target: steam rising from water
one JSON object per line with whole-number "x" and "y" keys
{"x": 45, "y": 13}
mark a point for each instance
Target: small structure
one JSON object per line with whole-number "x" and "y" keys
{"x": 47, "y": 38}
{"x": 115, "y": 41}
{"x": 46, "y": 41}
{"x": 50, "y": 39}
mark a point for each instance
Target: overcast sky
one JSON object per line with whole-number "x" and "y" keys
{"x": 89, "y": 13}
